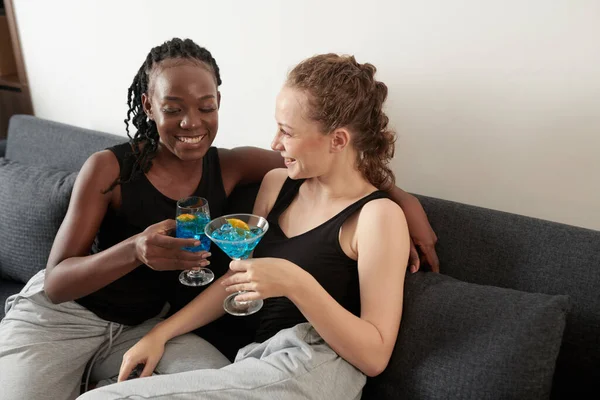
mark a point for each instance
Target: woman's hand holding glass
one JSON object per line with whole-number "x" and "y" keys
{"x": 262, "y": 278}
{"x": 156, "y": 248}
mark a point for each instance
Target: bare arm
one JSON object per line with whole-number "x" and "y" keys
{"x": 204, "y": 309}
{"x": 71, "y": 272}
{"x": 243, "y": 165}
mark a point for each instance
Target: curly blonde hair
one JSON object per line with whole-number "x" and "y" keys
{"x": 343, "y": 93}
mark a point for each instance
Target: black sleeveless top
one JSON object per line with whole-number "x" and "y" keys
{"x": 318, "y": 252}
{"x": 142, "y": 293}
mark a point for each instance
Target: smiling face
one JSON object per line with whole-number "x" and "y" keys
{"x": 306, "y": 150}
{"x": 183, "y": 101}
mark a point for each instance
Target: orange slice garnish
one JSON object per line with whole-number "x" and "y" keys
{"x": 238, "y": 223}
{"x": 186, "y": 217}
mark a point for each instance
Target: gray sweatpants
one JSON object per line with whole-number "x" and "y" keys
{"x": 294, "y": 364}
{"x": 45, "y": 347}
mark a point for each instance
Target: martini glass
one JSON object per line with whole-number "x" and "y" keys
{"x": 237, "y": 235}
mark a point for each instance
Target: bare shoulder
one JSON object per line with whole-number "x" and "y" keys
{"x": 269, "y": 190}
{"x": 275, "y": 178}
{"x": 104, "y": 159}
{"x": 381, "y": 213}
{"x": 382, "y": 236}
{"x": 273, "y": 182}
{"x": 103, "y": 165}
{"x": 224, "y": 154}
{"x": 98, "y": 172}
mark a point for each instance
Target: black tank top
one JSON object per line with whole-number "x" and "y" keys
{"x": 142, "y": 293}
{"x": 318, "y": 252}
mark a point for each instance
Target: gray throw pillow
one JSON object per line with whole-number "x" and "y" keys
{"x": 459, "y": 340}
{"x": 33, "y": 203}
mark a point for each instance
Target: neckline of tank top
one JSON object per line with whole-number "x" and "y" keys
{"x": 325, "y": 222}
{"x": 195, "y": 193}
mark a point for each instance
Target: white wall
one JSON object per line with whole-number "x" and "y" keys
{"x": 497, "y": 103}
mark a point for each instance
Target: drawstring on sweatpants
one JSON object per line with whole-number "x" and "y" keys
{"x": 106, "y": 347}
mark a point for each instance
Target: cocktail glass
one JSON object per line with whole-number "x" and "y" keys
{"x": 237, "y": 235}
{"x": 192, "y": 216}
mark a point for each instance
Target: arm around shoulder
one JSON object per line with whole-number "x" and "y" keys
{"x": 420, "y": 230}
{"x": 243, "y": 165}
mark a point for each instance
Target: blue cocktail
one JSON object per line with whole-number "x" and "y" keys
{"x": 237, "y": 235}
{"x": 191, "y": 226}
{"x": 192, "y": 216}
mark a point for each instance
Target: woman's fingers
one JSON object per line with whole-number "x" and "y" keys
{"x": 431, "y": 257}
{"x": 168, "y": 242}
{"x": 127, "y": 367}
{"x": 240, "y": 287}
{"x": 235, "y": 279}
{"x": 169, "y": 264}
{"x": 149, "y": 368}
{"x": 248, "y": 296}
{"x": 414, "y": 262}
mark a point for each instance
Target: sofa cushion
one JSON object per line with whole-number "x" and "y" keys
{"x": 34, "y": 201}
{"x": 489, "y": 247}
{"x": 460, "y": 340}
{"x": 36, "y": 141}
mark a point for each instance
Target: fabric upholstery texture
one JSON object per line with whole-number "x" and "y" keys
{"x": 490, "y": 247}
{"x": 465, "y": 341}
{"x": 34, "y": 202}
{"x": 36, "y": 141}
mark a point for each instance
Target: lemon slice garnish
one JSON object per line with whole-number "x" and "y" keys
{"x": 238, "y": 223}
{"x": 186, "y": 217}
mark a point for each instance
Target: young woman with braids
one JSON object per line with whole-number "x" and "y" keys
{"x": 113, "y": 263}
{"x": 328, "y": 267}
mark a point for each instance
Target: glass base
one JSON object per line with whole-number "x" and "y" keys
{"x": 241, "y": 308}
{"x": 198, "y": 277}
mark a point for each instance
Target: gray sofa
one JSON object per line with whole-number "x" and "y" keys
{"x": 515, "y": 313}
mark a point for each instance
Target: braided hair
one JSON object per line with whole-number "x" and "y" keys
{"x": 145, "y": 141}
